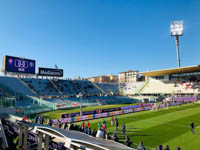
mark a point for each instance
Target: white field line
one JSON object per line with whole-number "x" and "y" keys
{"x": 197, "y": 127}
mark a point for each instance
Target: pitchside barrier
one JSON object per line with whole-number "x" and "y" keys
{"x": 124, "y": 110}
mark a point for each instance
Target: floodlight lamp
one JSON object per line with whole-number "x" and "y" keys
{"x": 176, "y": 28}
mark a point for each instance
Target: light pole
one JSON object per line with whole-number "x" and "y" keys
{"x": 80, "y": 95}
{"x": 176, "y": 29}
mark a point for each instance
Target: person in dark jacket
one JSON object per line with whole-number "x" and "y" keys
{"x": 65, "y": 126}
{"x": 36, "y": 119}
{"x": 178, "y": 148}
{"x": 160, "y": 147}
{"x": 127, "y": 141}
{"x": 192, "y": 127}
{"x": 166, "y": 147}
{"x": 114, "y": 137}
{"x": 124, "y": 128}
{"x": 117, "y": 125}
{"x": 50, "y": 122}
{"x": 94, "y": 133}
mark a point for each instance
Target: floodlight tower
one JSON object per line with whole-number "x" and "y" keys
{"x": 176, "y": 29}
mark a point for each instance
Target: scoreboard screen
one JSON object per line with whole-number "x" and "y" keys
{"x": 18, "y": 65}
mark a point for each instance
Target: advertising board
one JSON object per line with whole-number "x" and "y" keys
{"x": 50, "y": 72}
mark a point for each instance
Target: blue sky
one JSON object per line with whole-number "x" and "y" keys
{"x": 94, "y": 37}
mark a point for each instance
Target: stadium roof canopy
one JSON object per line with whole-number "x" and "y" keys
{"x": 190, "y": 69}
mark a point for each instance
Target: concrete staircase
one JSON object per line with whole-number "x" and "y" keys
{"x": 100, "y": 89}
{"x": 26, "y": 85}
{"x": 55, "y": 86}
{"x": 146, "y": 83}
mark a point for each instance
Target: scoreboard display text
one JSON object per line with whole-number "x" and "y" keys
{"x": 19, "y": 65}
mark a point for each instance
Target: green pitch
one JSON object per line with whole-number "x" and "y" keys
{"x": 170, "y": 127}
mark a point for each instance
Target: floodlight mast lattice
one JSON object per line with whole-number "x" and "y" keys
{"x": 176, "y": 29}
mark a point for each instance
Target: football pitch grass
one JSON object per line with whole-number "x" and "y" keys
{"x": 166, "y": 126}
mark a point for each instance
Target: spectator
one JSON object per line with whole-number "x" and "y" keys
{"x": 99, "y": 125}
{"x": 107, "y": 136}
{"x": 100, "y": 134}
{"x": 111, "y": 121}
{"x": 83, "y": 125}
{"x": 86, "y": 130}
{"x": 36, "y": 119}
{"x": 72, "y": 127}
{"x": 114, "y": 137}
{"x": 24, "y": 118}
{"x": 160, "y": 147}
{"x": 42, "y": 120}
{"x": 192, "y": 127}
{"x": 127, "y": 141}
{"x": 124, "y": 128}
{"x": 89, "y": 131}
{"x": 178, "y": 148}
{"x": 66, "y": 125}
{"x": 166, "y": 147}
{"x": 141, "y": 146}
{"x": 117, "y": 125}
{"x": 104, "y": 122}
{"x": 116, "y": 120}
{"x": 88, "y": 124}
{"x": 50, "y": 122}
{"x": 94, "y": 132}
{"x": 104, "y": 127}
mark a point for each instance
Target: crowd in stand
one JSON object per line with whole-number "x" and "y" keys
{"x": 44, "y": 87}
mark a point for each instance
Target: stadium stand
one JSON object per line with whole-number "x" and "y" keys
{"x": 86, "y": 87}
{"x": 131, "y": 88}
{"x": 109, "y": 88}
{"x": 14, "y": 86}
{"x": 42, "y": 87}
{"x": 187, "y": 86}
{"x": 66, "y": 87}
{"x": 3, "y": 93}
{"x": 175, "y": 82}
{"x": 157, "y": 86}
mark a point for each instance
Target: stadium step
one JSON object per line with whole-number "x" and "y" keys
{"x": 145, "y": 84}
{"x": 100, "y": 89}
{"x": 119, "y": 88}
{"x": 54, "y": 85}
{"x": 26, "y": 85}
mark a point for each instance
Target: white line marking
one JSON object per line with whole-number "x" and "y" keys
{"x": 197, "y": 127}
